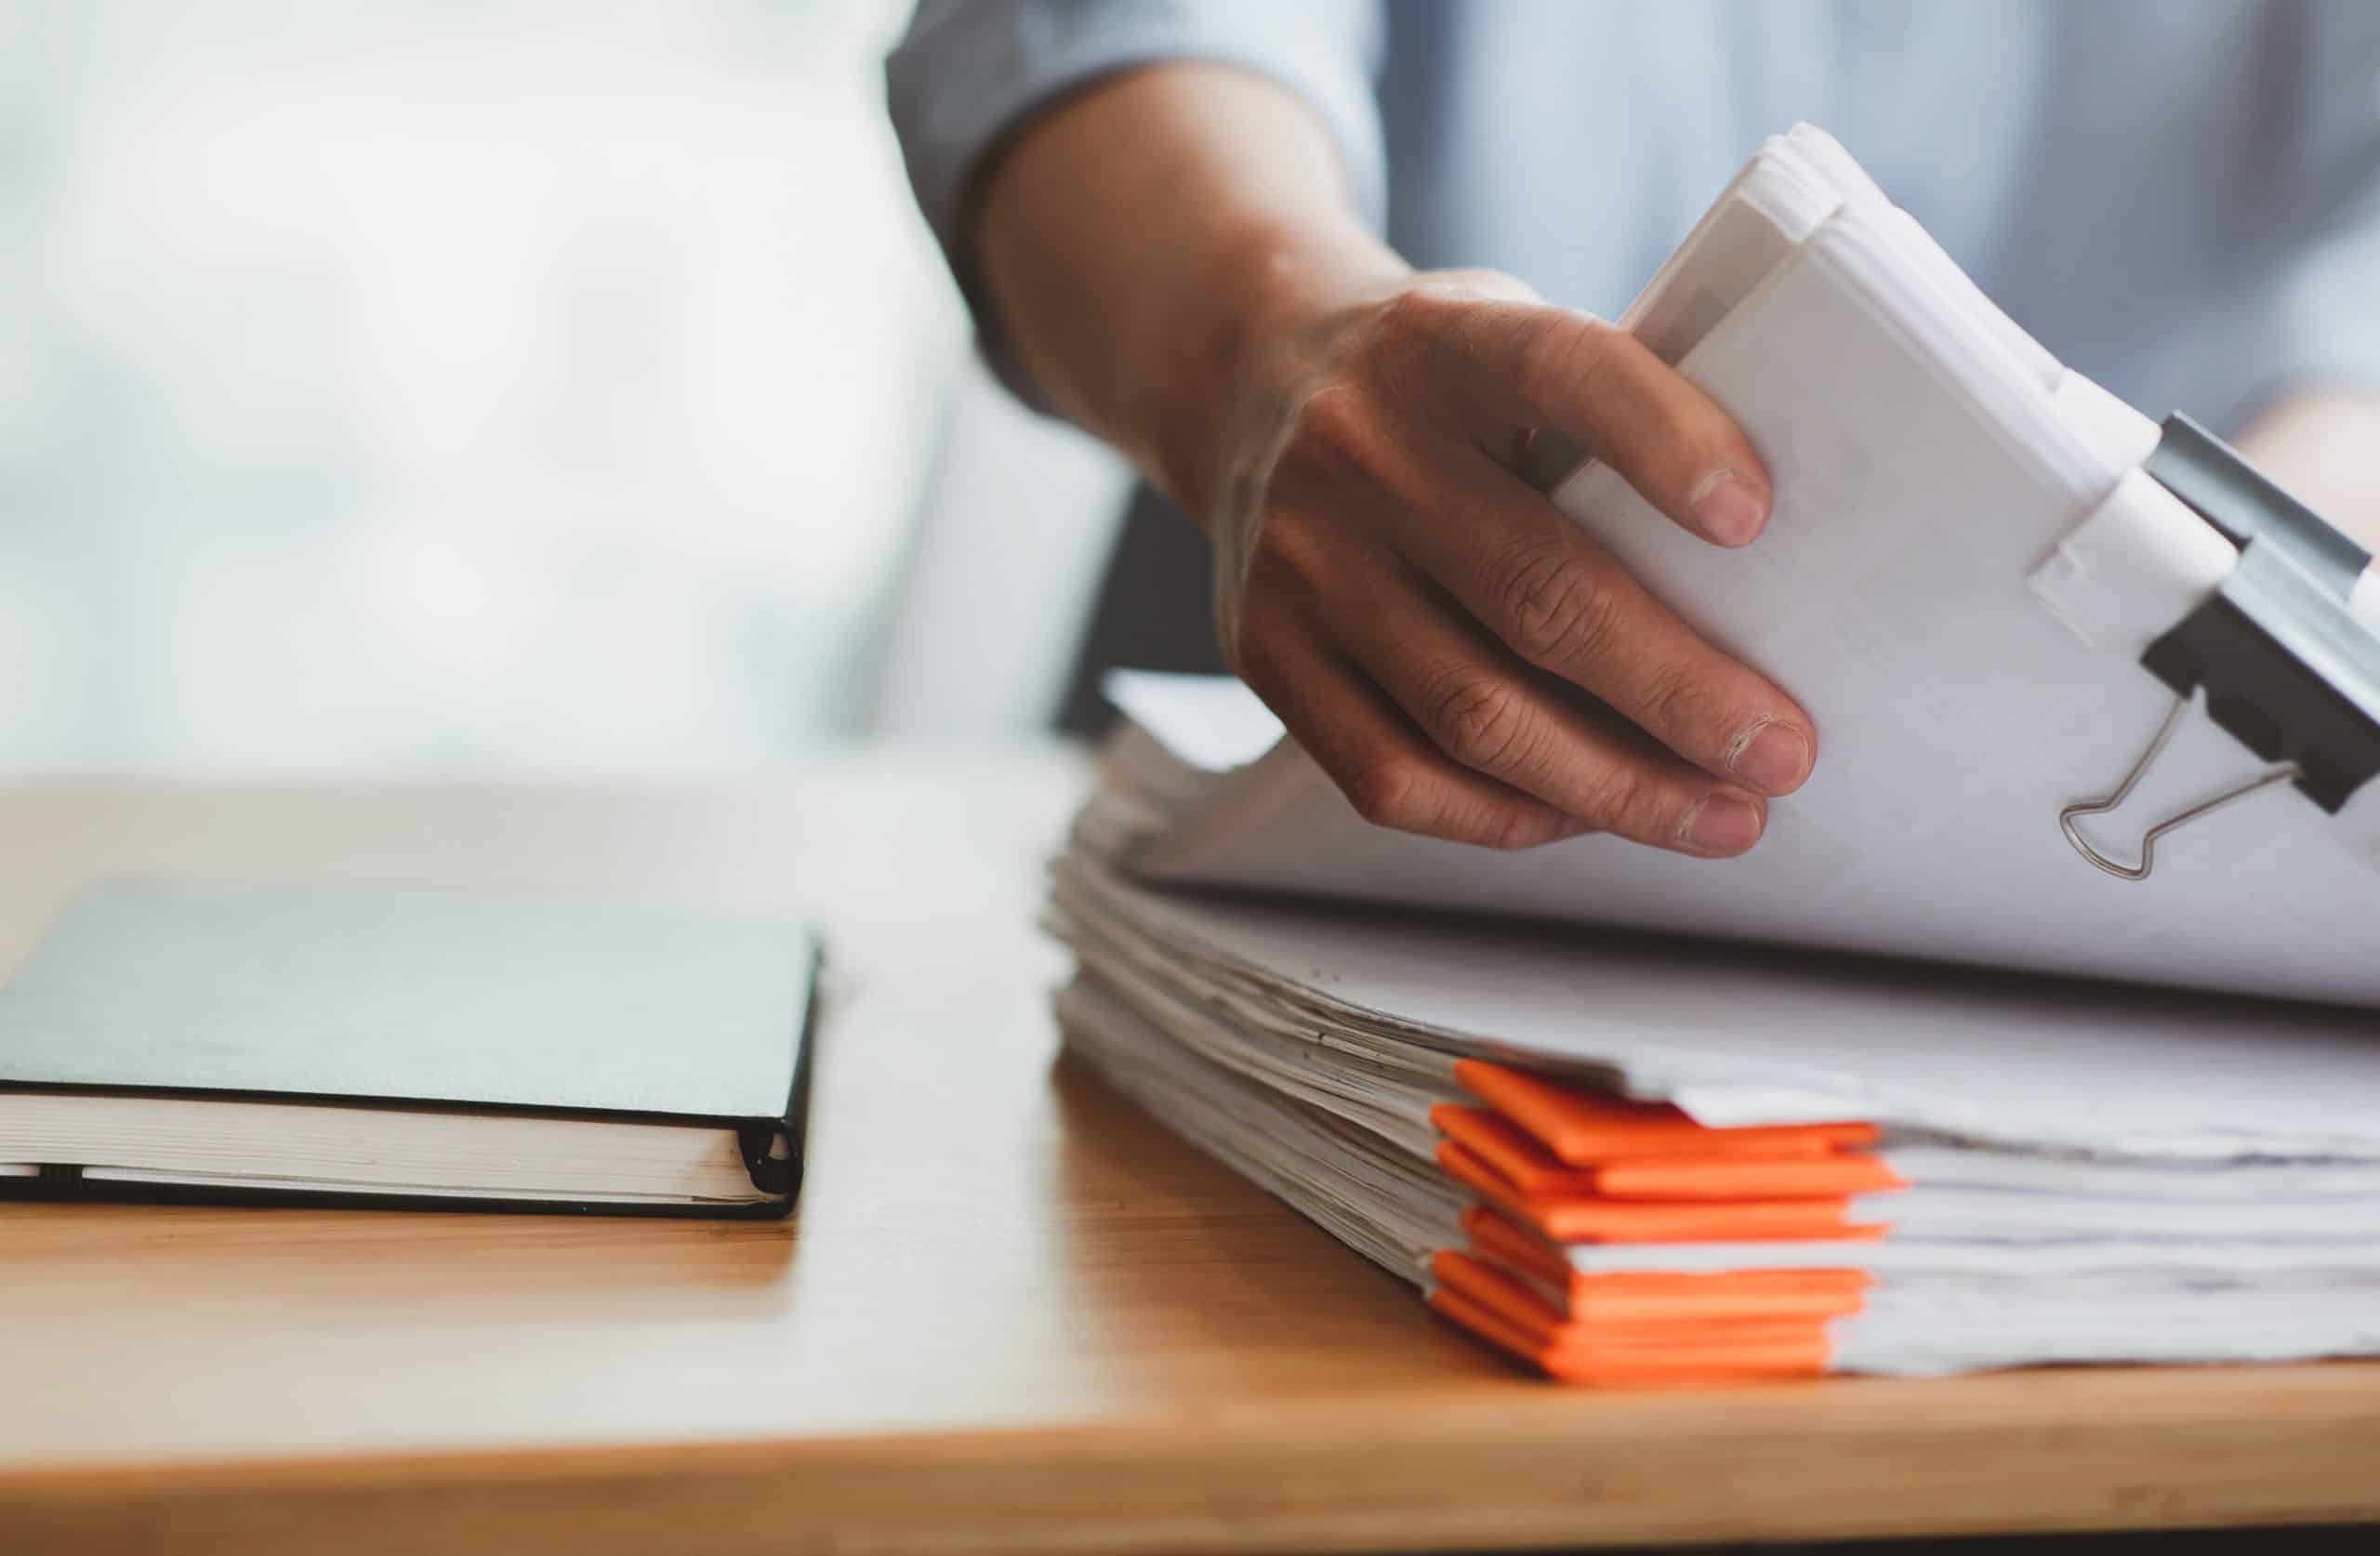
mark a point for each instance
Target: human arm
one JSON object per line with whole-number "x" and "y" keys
{"x": 1174, "y": 259}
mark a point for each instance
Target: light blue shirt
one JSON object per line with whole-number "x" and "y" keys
{"x": 2181, "y": 198}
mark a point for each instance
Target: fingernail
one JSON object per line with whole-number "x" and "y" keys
{"x": 1771, "y": 757}
{"x": 1726, "y": 510}
{"x": 1722, "y": 823}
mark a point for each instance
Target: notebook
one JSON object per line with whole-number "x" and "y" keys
{"x": 204, "y": 1041}
{"x": 1919, "y": 1085}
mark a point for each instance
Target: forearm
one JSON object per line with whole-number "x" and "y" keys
{"x": 2324, "y": 446}
{"x": 1135, "y": 242}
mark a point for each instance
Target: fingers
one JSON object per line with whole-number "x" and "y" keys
{"x": 1483, "y": 707}
{"x": 1514, "y": 364}
{"x": 1391, "y": 777}
{"x": 1561, "y": 602}
{"x": 1460, "y": 658}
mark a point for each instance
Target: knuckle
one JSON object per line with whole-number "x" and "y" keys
{"x": 1389, "y": 792}
{"x": 1288, "y": 546}
{"x": 1674, "y": 708}
{"x": 1333, "y": 416}
{"x": 1624, "y": 798}
{"x": 1559, "y": 609}
{"x": 1522, "y": 826}
{"x": 1335, "y": 436}
{"x": 1478, "y": 719}
{"x": 1413, "y": 315}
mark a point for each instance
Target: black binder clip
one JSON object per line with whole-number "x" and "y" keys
{"x": 2276, "y": 654}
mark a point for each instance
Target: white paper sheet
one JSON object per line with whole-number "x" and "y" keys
{"x": 1922, "y": 477}
{"x": 1737, "y": 1037}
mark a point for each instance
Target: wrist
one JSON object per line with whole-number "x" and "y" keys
{"x": 1266, "y": 301}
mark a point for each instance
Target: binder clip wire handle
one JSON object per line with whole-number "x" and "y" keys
{"x": 2288, "y": 773}
{"x": 2279, "y": 658}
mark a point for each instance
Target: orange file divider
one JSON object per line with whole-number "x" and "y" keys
{"x": 1524, "y": 1162}
{"x": 1583, "y": 1130}
{"x": 1740, "y": 1293}
{"x": 1624, "y": 1365}
{"x": 1582, "y": 1219}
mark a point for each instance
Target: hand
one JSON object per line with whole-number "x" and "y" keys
{"x": 1175, "y": 257}
{"x": 1459, "y": 656}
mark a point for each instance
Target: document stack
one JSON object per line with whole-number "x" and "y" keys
{"x": 2043, "y": 1025}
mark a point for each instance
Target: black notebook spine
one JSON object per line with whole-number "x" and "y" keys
{"x": 774, "y": 1154}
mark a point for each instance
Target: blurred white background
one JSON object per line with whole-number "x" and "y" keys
{"x": 491, "y": 389}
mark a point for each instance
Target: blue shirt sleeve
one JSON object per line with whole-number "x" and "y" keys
{"x": 968, "y": 74}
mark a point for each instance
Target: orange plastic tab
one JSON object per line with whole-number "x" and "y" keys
{"x": 1521, "y": 1307}
{"x": 1492, "y": 1234}
{"x": 1524, "y": 1163}
{"x": 1845, "y": 1172}
{"x": 1582, "y": 1218}
{"x": 1629, "y": 1295}
{"x": 1659, "y": 1366}
{"x": 1516, "y": 1155}
{"x": 1641, "y": 1366}
{"x": 1582, "y": 1127}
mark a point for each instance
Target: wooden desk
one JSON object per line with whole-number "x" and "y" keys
{"x": 1014, "y": 1316}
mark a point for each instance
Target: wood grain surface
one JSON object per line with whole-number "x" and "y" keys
{"x": 1012, "y": 1314}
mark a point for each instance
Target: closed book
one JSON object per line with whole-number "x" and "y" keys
{"x": 179, "y": 1040}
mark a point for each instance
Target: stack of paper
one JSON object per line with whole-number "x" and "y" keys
{"x": 1625, "y": 1159}
{"x": 1630, "y": 1158}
